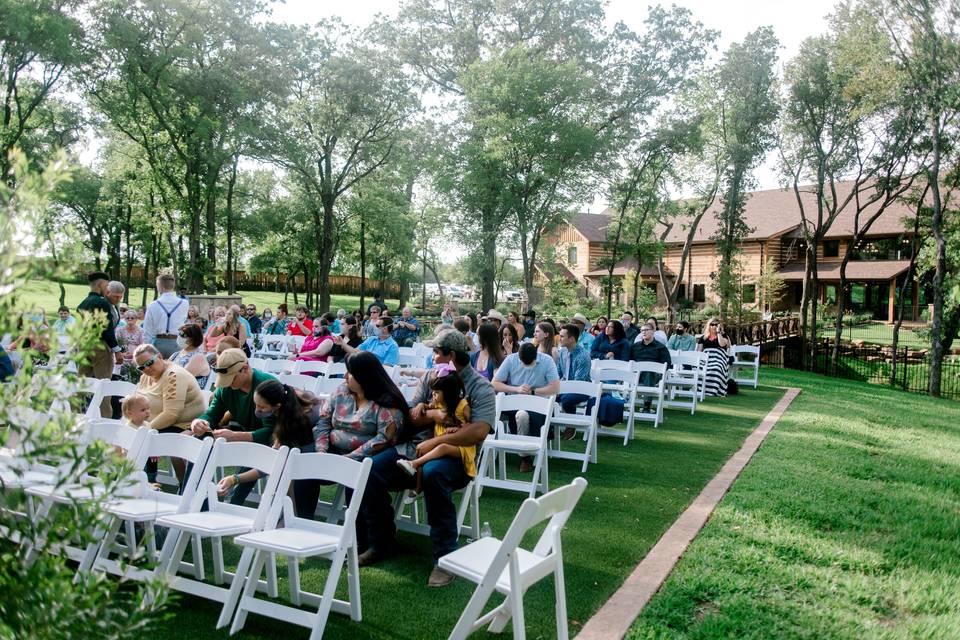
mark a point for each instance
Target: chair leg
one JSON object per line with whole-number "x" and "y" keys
{"x": 151, "y": 538}
{"x": 329, "y": 590}
{"x": 216, "y": 545}
{"x": 353, "y": 583}
{"x": 233, "y": 595}
{"x": 130, "y": 533}
{"x": 273, "y": 588}
{"x": 561, "y": 596}
{"x": 249, "y": 590}
{"x": 293, "y": 576}
{"x": 198, "y": 570}
{"x": 516, "y": 604}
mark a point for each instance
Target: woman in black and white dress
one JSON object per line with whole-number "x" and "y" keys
{"x": 717, "y": 346}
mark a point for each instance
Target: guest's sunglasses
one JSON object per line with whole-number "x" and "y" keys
{"x": 225, "y": 369}
{"x": 148, "y": 363}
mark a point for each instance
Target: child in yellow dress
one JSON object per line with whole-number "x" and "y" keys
{"x": 448, "y": 391}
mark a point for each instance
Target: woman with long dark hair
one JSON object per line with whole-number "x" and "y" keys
{"x": 350, "y": 330}
{"x": 294, "y": 412}
{"x": 509, "y": 339}
{"x": 365, "y": 414}
{"x": 490, "y": 354}
{"x": 612, "y": 344}
{"x": 716, "y": 345}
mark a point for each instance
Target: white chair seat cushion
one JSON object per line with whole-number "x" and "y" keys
{"x": 142, "y": 509}
{"x": 472, "y": 561}
{"x": 208, "y": 523}
{"x": 291, "y": 541}
{"x": 512, "y": 445}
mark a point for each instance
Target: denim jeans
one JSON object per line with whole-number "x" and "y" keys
{"x": 570, "y": 401}
{"x": 440, "y": 479}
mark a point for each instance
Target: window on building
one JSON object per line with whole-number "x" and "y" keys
{"x": 831, "y": 249}
{"x": 682, "y": 292}
{"x": 572, "y": 255}
{"x": 699, "y": 293}
{"x": 749, "y": 293}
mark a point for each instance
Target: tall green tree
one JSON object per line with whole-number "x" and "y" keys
{"x": 747, "y": 90}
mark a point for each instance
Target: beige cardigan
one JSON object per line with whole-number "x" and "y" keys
{"x": 175, "y": 399}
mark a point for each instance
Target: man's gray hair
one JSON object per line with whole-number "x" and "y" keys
{"x": 115, "y": 286}
{"x": 148, "y": 349}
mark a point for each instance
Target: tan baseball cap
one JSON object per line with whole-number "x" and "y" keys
{"x": 493, "y": 314}
{"x": 229, "y": 364}
{"x": 579, "y": 317}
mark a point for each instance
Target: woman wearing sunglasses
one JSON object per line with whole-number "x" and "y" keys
{"x": 715, "y": 344}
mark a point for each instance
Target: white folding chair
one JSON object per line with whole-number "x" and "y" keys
{"x": 221, "y": 519}
{"x": 302, "y": 538}
{"x": 109, "y": 389}
{"x": 336, "y": 369}
{"x": 144, "y": 505}
{"x": 260, "y": 364}
{"x": 683, "y": 381}
{"x": 295, "y": 343}
{"x": 495, "y": 448}
{"x": 113, "y": 433}
{"x": 15, "y": 471}
{"x": 310, "y": 366}
{"x": 703, "y": 360}
{"x": 622, "y": 383}
{"x": 278, "y": 367}
{"x": 272, "y": 347}
{"x": 393, "y": 371}
{"x": 586, "y": 422}
{"x": 746, "y": 357}
{"x": 412, "y": 522}
{"x": 327, "y": 386}
{"x": 299, "y": 381}
{"x": 509, "y": 569}
{"x": 409, "y": 351}
{"x": 653, "y": 392}
{"x": 621, "y": 365}
{"x": 409, "y": 361}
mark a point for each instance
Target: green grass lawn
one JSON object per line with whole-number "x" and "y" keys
{"x": 635, "y": 493}
{"x": 844, "y": 525}
{"x": 45, "y": 294}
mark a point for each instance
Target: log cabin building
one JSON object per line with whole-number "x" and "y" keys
{"x": 875, "y": 273}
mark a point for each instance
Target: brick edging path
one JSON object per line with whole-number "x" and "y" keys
{"x": 614, "y": 618}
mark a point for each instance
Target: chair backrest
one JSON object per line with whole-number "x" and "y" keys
{"x": 622, "y": 365}
{"x": 580, "y": 387}
{"x": 745, "y": 349}
{"x": 409, "y": 360}
{"x": 240, "y": 454}
{"x": 310, "y": 366}
{"x": 258, "y": 363}
{"x": 336, "y": 369}
{"x": 531, "y": 404}
{"x": 297, "y": 341}
{"x": 196, "y": 451}
{"x": 556, "y": 505}
{"x": 277, "y": 367}
{"x": 393, "y": 371}
{"x": 326, "y": 386}
{"x": 621, "y": 377}
{"x": 408, "y": 351}
{"x": 299, "y": 381}
{"x": 686, "y": 359}
{"x": 116, "y": 433}
{"x": 649, "y": 367}
{"x": 673, "y": 353}
{"x": 116, "y": 388}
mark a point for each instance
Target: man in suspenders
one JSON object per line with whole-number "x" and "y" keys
{"x": 164, "y": 317}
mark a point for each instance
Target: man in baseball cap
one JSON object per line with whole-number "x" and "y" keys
{"x": 585, "y": 340}
{"x": 441, "y": 476}
{"x": 496, "y": 317}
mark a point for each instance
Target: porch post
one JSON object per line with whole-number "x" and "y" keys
{"x": 915, "y": 302}
{"x": 892, "y": 300}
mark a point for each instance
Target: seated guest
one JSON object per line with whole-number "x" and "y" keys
{"x": 629, "y": 328}
{"x": 496, "y": 318}
{"x": 716, "y": 345}
{"x": 294, "y": 412}
{"x": 586, "y": 339}
{"x": 463, "y": 326}
{"x": 64, "y": 320}
{"x": 544, "y": 335}
{"x": 573, "y": 363}
{"x": 681, "y": 340}
{"x": 277, "y": 325}
{"x": 232, "y": 326}
{"x": 529, "y": 324}
{"x": 193, "y": 317}
{"x": 649, "y": 349}
{"x": 350, "y": 334}
{"x": 612, "y": 344}
{"x": 439, "y": 477}
{"x": 129, "y": 335}
{"x": 448, "y": 315}
{"x": 301, "y": 325}
{"x": 658, "y": 335}
{"x": 514, "y": 318}
{"x": 317, "y": 347}
{"x": 253, "y": 320}
{"x": 265, "y": 317}
{"x": 370, "y": 326}
{"x": 382, "y": 345}
{"x": 406, "y": 329}
{"x": 191, "y": 356}
{"x": 509, "y": 338}
{"x": 528, "y": 372}
{"x": 232, "y": 413}
{"x": 490, "y": 355}
{"x": 214, "y": 329}
{"x": 335, "y": 328}
{"x": 599, "y": 327}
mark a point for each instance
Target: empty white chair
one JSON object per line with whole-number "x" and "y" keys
{"x": 221, "y": 519}
{"x": 622, "y": 383}
{"x": 652, "y": 392}
{"x": 683, "y": 381}
{"x": 584, "y": 422}
{"x": 336, "y": 369}
{"x": 144, "y": 505}
{"x": 299, "y": 381}
{"x": 509, "y": 569}
{"x": 109, "y": 389}
{"x": 299, "y": 539}
{"x": 746, "y": 358}
{"x": 310, "y": 366}
{"x": 503, "y": 442}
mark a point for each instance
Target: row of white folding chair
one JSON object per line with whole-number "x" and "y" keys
{"x": 511, "y": 570}
{"x": 684, "y": 379}
{"x": 746, "y": 357}
{"x": 654, "y": 393}
{"x": 503, "y": 442}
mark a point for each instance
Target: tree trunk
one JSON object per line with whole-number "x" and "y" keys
{"x": 231, "y": 267}
{"x": 363, "y": 262}
{"x": 940, "y": 264}
{"x": 324, "y": 234}
{"x": 488, "y": 269}
{"x": 423, "y": 292}
{"x": 915, "y": 250}
{"x": 210, "y": 267}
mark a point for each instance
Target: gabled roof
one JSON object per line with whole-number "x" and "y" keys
{"x": 856, "y": 270}
{"x": 774, "y": 212}
{"x": 593, "y": 226}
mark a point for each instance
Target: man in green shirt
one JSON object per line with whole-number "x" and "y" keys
{"x": 107, "y": 352}
{"x": 681, "y": 340}
{"x": 231, "y": 414}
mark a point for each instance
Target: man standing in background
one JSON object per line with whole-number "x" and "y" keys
{"x": 164, "y": 317}
{"x": 108, "y": 351}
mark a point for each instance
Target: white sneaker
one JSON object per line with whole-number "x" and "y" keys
{"x": 411, "y": 496}
{"x": 407, "y": 466}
